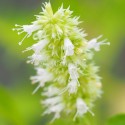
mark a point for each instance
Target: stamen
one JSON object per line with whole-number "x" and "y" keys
{"x": 37, "y": 88}
{"x": 99, "y": 37}
{"x": 18, "y": 29}
{"x": 19, "y": 32}
{"x": 91, "y": 112}
{"x": 17, "y": 25}
{"x": 104, "y": 42}
{"x": 20, "y": 43}
{"x": 27, "y": 49}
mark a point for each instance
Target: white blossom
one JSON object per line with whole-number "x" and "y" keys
{"x": 52, "y": 101}
{"x": 36, "y": 59}
{"x": 81, "y": 107}
{"x": 56, "y": 109}
{"x": 93, "y": 44}
{"x": 68, "y": 47}
{"x": 29, "y": 29}
{"x": 73, "y": 71}
{"x": 72, "y": 86}
{"x": 50, "y": 91}
{"x": 42, "y": 77}
{"x": 54, "y": 105}
{"x": 38, "y": 46}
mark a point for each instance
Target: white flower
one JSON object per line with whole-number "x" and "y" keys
{"x": 42, "y": 77}
{"x": 38, "y": 46}
{"x": 56, "y": 109}
{"x": 93, "y": 44}
{"x": 52, "y": 101}
{"x": 50, "y": 91}
{"x": 73, "y": 71}
{"x": 29, "y": 29}
{"x": 54, "y": 105}
{"x": 72, "y": 86}
{"x": 68, "y": 47}
{"x": 81, "y": 107}
{"x": 36, "y": 59}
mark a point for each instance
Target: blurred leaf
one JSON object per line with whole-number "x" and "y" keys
{"x": 8, "y": 110}
{"x": 117, "y": 120}
{"x": 19, "y": 107}
{"x": 28, "y": 105}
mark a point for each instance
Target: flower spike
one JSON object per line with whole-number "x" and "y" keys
{"x": 63, "y": 57}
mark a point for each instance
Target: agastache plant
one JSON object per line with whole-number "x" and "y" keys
{"x": 63, "y": 57}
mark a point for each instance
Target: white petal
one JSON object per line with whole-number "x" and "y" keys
{"x": 42, "y": 77}
{"x": 37, "y": 48}
{"x": 72, "y": 86}
{"x": 93, "y": 44}
{"x": 52, "y": 101}
{"x": 54, "y": 109}
{"x": 29, "y": 29}
{"x": 50, "y": 91}
{"x": 73, "y": 71}
{"x": 68, "y": 47}
{"x": 40, "y": 45}
{"x": 36, "y": 59}
{"x": 82, "y": 108}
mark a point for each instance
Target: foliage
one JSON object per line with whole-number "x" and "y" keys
{"x": 117, "y": 120}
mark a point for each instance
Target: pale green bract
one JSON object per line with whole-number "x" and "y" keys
{"x": 62, "y": 58}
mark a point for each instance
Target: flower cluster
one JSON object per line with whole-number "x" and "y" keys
{"x": 62, "y": 58}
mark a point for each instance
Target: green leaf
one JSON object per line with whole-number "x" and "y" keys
{"x": 8, "y": 109}
{"x": 117, "y": 120}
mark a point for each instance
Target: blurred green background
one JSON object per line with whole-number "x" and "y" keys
{"x": 17, "y": 105}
